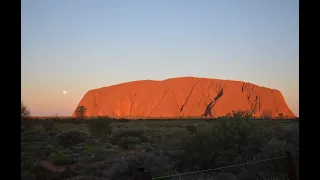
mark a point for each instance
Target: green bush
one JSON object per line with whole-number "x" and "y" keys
{"x": 27, "y": 124}
{"x": 60, "y": 159}
{"x": 191, "y": 128}
{"x": 280, "y": 115}
{"x": 198, "y": 151}
{"x": 77, "y": 121}
{"x": 89, "y": 148}
{"x": 71, "y": 138}
{"x": 47, "y": 125}
{"x": 266, "y": 115}
{"x": 100, "y": 127}
{"x": 156, "y": 162}
{"x": 240, "y": 115}
{"x": 126, "y": 142}
{"x": 117, "y": 135}
{"x": 246, "y": 175}
{"x": 26, "y": 175}
{"x": 227, "y": 142}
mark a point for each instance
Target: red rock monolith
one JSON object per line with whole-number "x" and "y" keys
{"x": 183, "y": 97}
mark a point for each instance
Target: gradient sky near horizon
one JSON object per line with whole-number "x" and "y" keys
{"x": 78, "y": 45}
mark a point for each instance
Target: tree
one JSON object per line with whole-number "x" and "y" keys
{"x": 266, "y": 114}
{"x": 80, "y": 112}
{"x": 280, "y": 115}
{"x": 24, "y": 111}
{"x": 56, "y": 116}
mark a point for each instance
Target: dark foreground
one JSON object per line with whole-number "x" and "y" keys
{"x": 105, "y": 149}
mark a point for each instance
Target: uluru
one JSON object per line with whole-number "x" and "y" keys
{"x": 184, "y": 97}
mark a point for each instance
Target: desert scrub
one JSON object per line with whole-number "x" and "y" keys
{"x": 40, "y": 172}
{"x": 25, "y": 112}
{"x": 89, "y": 148}
{"x": 71, "y": 138}
{"x": 227, "y": 142}
{"x": 86, "y": 178}
{"x": 126, "y": 142}
{"x": 28, "y": 124}
{"x": 198, "y": 151}
{"x": 125, "y": 168}
{"x": 191, "y": 128}
{"x": 240, "y": 115}
{"x": 26, "y": 175}
{"x": 100, "y": 127}
{"x": 117, "y": 135}
{"x": 47, "y": 125}
{"x": 60, "y": 159}
{"x": 35, "y": 143}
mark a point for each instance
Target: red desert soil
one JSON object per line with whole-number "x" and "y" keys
{"x": 183, "y": 97}
{"x": 53, "y": 167}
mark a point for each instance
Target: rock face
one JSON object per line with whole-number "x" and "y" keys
{"x": 183, "y": 97}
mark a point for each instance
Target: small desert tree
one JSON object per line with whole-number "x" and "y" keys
{"x": 266, "y": 114}
{"x": 240, "y": 115}
{"x": 80, "y": 112}
{"x": 24, "y": 111}
{"x": 280, "y": 115}
{"x": 56, "y": 116}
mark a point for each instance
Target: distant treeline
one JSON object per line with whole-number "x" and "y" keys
{"x": 74, "y": 119}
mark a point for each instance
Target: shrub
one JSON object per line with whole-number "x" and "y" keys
{"x": 77, "y": 121}
{"x": 47, "y": 125}
{"x": 60, "y": 159}
{"x": 198, "y": 151}
{"x": 280, "y": 115}
{"x": 100, "y": 127}
{"x": 126, "y": 142}
{"x": 226, "y": 176}
{"x": 191, "y": 128}
{"x": 87, "y": 178}
{"x": 117, "y": 135}
{"x": 26, "y": 175}
{"x": 123, "y": 120}
{"x": 228, "y": 116}
{"x": 40, "y": 172}
{"x": 267, "y": 114}
{"x": 27, "y": 124}
{"x": 157, "y": 163}
{"x": 67, "y": 173}
{"x": 241, "y": 133}
{"x": 270, "y": 175}
{"x": 240, "y": 115}
{"x": 246, "y": 175}
{"x": 227, "y": 142}
{"x": 25, "y": 113}
{"x": 56, "y": 116}
{"x": 71, "y": 138}
{"x": 88, "y": 148}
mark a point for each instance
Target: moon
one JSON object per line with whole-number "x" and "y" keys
{"x": 64, "y": 92}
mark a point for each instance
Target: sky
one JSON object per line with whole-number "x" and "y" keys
{"x": 78, "y": 45}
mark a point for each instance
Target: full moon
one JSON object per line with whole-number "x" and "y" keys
{"x": 64, "y": 92}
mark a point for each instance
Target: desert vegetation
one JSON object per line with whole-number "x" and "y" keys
{"x": 24, "y": 111}
{"x": 104, "y": 148}
{"x": 80, "y": 112}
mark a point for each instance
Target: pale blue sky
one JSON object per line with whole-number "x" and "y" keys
{"x": 78, "y": 45}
